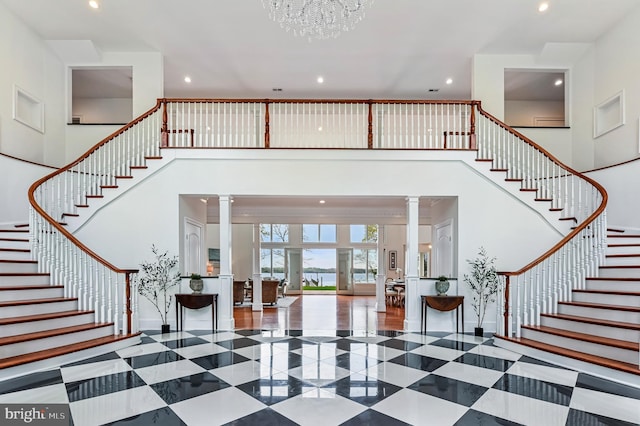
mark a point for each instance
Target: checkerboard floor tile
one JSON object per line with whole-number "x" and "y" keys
{"x": 323, "y": 378}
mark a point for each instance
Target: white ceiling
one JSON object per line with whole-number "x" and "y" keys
{"x": 401, "y": 48}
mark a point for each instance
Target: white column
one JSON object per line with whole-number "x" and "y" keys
{"x": 225, "y": 296}
{"x": 257, "y": 277}
{"x": 381, "y": 277}
{"x": 412, "y": 304}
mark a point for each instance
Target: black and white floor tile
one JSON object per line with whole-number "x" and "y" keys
{"x": 323, "y": 378}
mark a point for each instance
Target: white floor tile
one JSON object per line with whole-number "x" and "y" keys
{"x": 544, "y": 373}
{"x": 244, "y": 372}
{"x": 469, "y": 373}
{"x": 381, "y": 353}
{"x": 137, "y": 350}
{"x": 418, "y": 338}
{"x": 521, "y": 409}
{"x": 369, "y": 339}
{"x": 417, "y": 408}
{"x": 395, "y": 374}
{"x": 115, "y": 406}
{"x": 605, "y": 404}
{"x": 217, "y": 408}
{"x": 467, "y": 338}
{"x": 53, "y": 394}
{"x": 438, "y": 352}
{"x": 168, "y": 371}
{"x": 495, "y": 352}
{"x": 172, "y": 336}
{"x": 264, "y": 350}
{"x": 319, "y": 373}
{"x": 318, "y": 407}
{"x": 319, "y": 352}
{"x": 197, "y": 351}
{"x": 95, "y": 369}
{"x": 220, "y": 337}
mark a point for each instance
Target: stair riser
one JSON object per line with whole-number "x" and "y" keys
{"x": 34, "y": 326}
{"x": 46, "y": 293}
{"x": 608, "y": 299}
{"x": 593, "y": 329}
{"x": 623, "y": 240}
{"x": 616, "y": 261}
{"x": 607, "y": 314}
{"x": 604, "y": 351}
{"x": 23, "y": 245}
{"x": 24, "y": 280}
{"x": 15, "y": 255}
{"x": 619, "y": 272}
{"x": 40, "y": 308}
{"x": 15, "y": 267}
{"x": 7, "y": 234}
{"x": 613, "y": 285}
{"x": 624, "y": 250}
{"x": 55, "y": 341}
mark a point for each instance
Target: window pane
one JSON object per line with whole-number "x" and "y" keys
{"x": 327, "y": 233}
{"x": 310, "y": 233}
{"x": 279, "y": 233}
{"x": 265, "y": 232}
{"x": 360, "y": 265}
{"x": 357, "y": 233}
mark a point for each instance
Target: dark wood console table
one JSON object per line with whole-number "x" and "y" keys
{"x": 196, "y": 301}
{"x": 443, "y": 304}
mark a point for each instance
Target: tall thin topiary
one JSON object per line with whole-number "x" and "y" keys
{"x": 155, "y": 280}
{"x": 483, "y": 282}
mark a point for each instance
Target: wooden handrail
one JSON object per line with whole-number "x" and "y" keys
{"x": 324, "y": 101}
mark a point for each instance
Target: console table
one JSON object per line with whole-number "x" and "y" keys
{"x": 197, "y": 301}
{"x": 443, "y": 304}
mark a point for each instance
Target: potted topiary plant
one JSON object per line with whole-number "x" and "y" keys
{"x": 196, "y": 284}
{"x": 155, "y": 280}
{"x": 442, "y": 285}
{"x": 483, "y": 282}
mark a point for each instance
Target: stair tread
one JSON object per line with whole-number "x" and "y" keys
{"x": 624, "y": 236}
{"x": 37, "y": 301}
{"x": 17, "y": 261}
{"x": 624, "y": 255}
{"x": 610, "y": 292}
{"x": 15, "y": 240}
{"x": 613, "y": 278}
{"x": 62, "y": 350}
{"x": 593, "y": 359}
{"x": 623, "y": 245}
{"x": 23, "y": 274}
{"x": 42, "y": 317}
{"x": 594, "y": 321}
{"x": 603, "y": 306}
{"x": 17, "y": 250}
{"x": 618, "y": 266}
{"x": 51, "y": 333}
{"x": 29, "y": 287}
{"x": 607, "y": 341}
{"x": 18, "y": 231}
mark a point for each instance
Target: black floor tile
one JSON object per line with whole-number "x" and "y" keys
{"x": 581, "y": 418}
{"x": 145, "y": 339}
{"x": 153, "y": 359}
{"x": 223, "y": 359}
{"x": 454, "y": 344}
{"x": 492, "y": 363}
{"x": 176, "y": 390}
{"x": 391, "y": 333}
{"x": 103, "y": 385}
{"x": 240, "y": 343}
{"x": 419, "y": 362}
{"x": 248, "y": 332}
{"x": 31, "y": 381}
{"x": 373, "y": 418}
{"x": 462, "y": 393}
{"x": 595, "y": 383}
{"x": 266, "y": 417}
{"x": 355, "y": 362}
{"x": 530, "y": 360}
{"x": 477, "y": 418}
{"x": 183, "y": 343}
{"x": 363, "y": 390}
{"x": 162, "y": 416}
{"x": 105, "y": 357}
{"x": 273, "y": 389}
{"x": 525, "y": 386}
{"x": 402, "y": 345}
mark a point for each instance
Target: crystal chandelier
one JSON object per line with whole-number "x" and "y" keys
{"x": 316, "y": 18}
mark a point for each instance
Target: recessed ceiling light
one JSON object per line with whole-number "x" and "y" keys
{"x": 319, "y": 128}
{"x": 94, "y": 4}
{"x": 187, "y": 79}
{"x": 543, "y": 7}
{"x": 558, "y": 82}
{"x": 204, "y": 200}
{"x": 322, "y": 201}
{"x": 449, "y": 81}
{"x": 320, "y": 80}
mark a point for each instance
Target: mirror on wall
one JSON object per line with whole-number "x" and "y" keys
{"x": 535, "y": 98}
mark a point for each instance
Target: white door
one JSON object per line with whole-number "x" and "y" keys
{"x": 345, "y": 271}
{"x": 193, "y": 240}
{"x": 293, "y": 268}
{"x": 442, "y": 251}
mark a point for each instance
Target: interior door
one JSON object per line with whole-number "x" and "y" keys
{"x": 443, "y": 252}
{"x": 193, "y": 257}
{"x": 345, "y": 271}
{"x": 293, "y": 268}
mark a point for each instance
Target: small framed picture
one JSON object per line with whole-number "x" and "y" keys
{"x": 393, "y": 256}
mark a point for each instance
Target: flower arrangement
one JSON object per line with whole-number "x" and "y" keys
{"x": 155, "y": 280}
{"x": 483, "y": 282}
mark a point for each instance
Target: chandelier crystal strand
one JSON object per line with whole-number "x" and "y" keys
{"x": 316, "y": 18}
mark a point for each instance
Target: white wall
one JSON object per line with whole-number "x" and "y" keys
{"x": 148, "y": 86}
{"x": 17, "y": 177}
{"x": 28, "y": 63}
{"x": 523, "y": 113}
{"x": 103, "y": 110}
{"x": 149, "y": 212}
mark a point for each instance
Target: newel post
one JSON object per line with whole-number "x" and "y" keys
{"x": 267, "y": 141}
{"x": 127, "y": 289}
{"x": 164, "y": 130}
{"x": 506, "y": 306}
{"x": 370, "y": 129}
{"x": 472, "y": 130}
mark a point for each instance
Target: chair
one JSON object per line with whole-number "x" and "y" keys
{"x": 282, "y": 288}
{"x": 238, "y": 292}
{"x": 269, "y": 291}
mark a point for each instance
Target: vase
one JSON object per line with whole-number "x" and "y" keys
{"x": 196, "y": 286}
{"x": 442, "y": 287}
{"x": 165, "y": 328}
{"x": 478, "y": 331}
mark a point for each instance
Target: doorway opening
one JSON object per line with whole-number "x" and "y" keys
{"x": 319, "y": 272}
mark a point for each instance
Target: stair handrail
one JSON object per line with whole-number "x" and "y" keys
{"x": 95, "y": 282}
{"x": 568, "y": 262}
